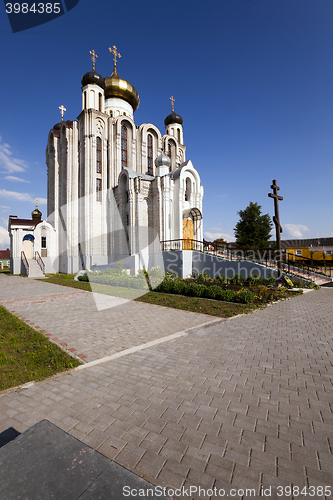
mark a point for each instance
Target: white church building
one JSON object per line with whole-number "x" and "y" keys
{"x": 115, "y": 189}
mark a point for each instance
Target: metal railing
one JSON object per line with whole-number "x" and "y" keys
{"x": 268, "y": 256}
{"x": 40, "y": 262}
{"x": 182, "y": 244}
{"x": 25, "y": 263}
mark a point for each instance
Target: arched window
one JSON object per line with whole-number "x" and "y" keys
{"x": 98, "y": 155}
{"x": 178, "y": 134}
{"x": 100, "y": 102}
{"x": 150, "y": 154}
{"x": 171, "y": 153}
{"x": 92, "y": 99}
{"x": 84, "y": 100}
{"x": 123, "y": 147}
{"x": 188, "y": 189}
{"x": 79, "y": 168}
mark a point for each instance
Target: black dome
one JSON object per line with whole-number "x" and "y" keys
{"x": 173, "y": 118}
{"x": 93, "y": 77}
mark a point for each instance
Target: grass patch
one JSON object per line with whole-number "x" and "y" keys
{"x": 67, "y": 280}
{"x": 186, "y": 303}
{"x": 26, "y": 354}
{"x": 115, "y": 291}
{"x": 196, "y": 304}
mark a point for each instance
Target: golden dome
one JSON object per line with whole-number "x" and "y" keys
{"x": 116, "y": 87}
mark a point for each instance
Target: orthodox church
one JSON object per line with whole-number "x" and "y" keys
{"x": 115, "y": 189}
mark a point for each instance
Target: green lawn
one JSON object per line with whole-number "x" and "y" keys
{"x": 195, "y": 304}
{"x": 26, "y": 354}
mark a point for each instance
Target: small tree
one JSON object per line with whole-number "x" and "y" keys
{"x": 253, "y": 228}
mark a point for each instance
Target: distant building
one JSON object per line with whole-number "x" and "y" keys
{"x": 4, "y": 258}
{"x": 312, "y": 248}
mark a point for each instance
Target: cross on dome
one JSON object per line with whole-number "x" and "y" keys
{"x": 172, "y": 103}
{"x": 62, "y": 111}
{"x": 116, "y": 54}
{"x": 93, "y": 58}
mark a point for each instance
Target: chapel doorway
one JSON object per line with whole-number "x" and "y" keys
{"x": 188, "y": 234}
{"x": 28, "y": 246}
{"x": 191, "y": 225}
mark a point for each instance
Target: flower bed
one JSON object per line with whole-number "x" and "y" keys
{"x": 250, "y": 292}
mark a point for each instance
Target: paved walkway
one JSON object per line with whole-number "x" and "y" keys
{"x": 70, "y": 318}
{"x": 241, "y": 403}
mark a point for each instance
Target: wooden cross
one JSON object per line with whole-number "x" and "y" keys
{"x": 116, "y": 54}
{"x": 172, "y": 103}
{"x": 62, "y": 111}
{"x": 276, "y": 220}
{"x": 93, "y": 58}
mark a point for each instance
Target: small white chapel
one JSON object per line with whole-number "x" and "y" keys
{"x": 115, "y": 189}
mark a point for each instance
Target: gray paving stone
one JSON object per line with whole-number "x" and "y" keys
{"x": 252, "y": 381}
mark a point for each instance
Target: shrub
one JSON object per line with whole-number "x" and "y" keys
{"x": 194, "y": 290}
{"x": 178, "y": 287}
{"x": 83, "y": 278}
{"x": 213, "y": 292}
{"x": 228, "y": 295}
{"x": 245, "y": 296}
{"x": 164, "y": 287}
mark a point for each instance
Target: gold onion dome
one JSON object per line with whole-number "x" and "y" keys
{"x": 116, "y": 87}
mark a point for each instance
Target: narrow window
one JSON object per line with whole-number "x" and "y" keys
{"x": 98, "y": 155}
{"x": 98, "y": 189}
{"x": 85, "y": 100}
{"x": 123, "y": 147}
{"x": 178, "y": 134}
{"x": 43, "y": 243}
{"x": 188, "y": 190}
{"x": 150, "y": 154}
{"x": 79, "y": 168}
{"x": 100, "y": 102}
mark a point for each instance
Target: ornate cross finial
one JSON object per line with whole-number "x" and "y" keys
{"x": 116, "y": 54}
{"x": 93, "y": 58}
{"x": 172, "y": 103}
{"x": 62, "y": 111}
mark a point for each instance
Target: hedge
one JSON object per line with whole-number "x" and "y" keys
{"x": 209, "y": 292}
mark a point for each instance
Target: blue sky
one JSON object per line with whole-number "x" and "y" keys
{"x": 252, "y": 80}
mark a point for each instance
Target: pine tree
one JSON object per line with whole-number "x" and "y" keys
{"x": 253, "y": 229}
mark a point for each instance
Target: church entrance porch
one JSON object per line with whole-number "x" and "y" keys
{"x": 28, "y": 246}
{"x": 191, "y": 220}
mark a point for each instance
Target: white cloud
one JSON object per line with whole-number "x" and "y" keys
{"x": 295, "y": 230}
{"x": 8, "y": 162}
{"x": 21, "y": 196}
{"x": 214, "y": 236}
{"x": 14, "y": 179}
{"x": 4, "y": 238}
